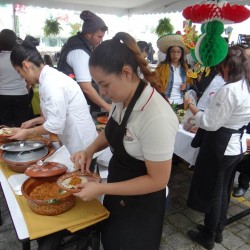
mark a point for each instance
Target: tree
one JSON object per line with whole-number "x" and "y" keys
{"x": 164, "y": 27}
{"x": 75, "y": 27}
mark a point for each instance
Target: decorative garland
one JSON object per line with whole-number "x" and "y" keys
{"x": 210, "y": 48}
{"x": 216, "y": 10}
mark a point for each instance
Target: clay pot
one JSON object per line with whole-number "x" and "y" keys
{"x": 52, "y": 206}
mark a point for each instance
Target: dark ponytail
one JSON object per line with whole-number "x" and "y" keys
{"x": 26, "y": 50}
{"x": 111, "y": 55}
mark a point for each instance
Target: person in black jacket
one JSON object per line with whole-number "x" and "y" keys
{"x": 199, "y": 86}
{"x": 74, "y": 58}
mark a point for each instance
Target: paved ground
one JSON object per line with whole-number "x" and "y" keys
{"x": 179, "y": 218}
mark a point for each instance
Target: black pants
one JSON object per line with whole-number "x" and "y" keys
{"x": 14, "y": 110}
{"x": 216, "y": 219}
{"x": 244, "y": 168}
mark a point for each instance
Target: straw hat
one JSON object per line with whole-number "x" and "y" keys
{"x": 167, "y": 41}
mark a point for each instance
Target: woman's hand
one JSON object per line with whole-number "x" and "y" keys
{"x": 82, "y": 160}
{"x": 19, "y": 134}
{"x": 89, "y": 191}
{"x": 187, "y": 101}
{"x": 28, "y": 124}
{"x": 193, "y": 129}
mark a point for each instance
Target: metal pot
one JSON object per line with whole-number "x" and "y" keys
{"x": 20, "y": 155}
{"x": 21, "y": 146}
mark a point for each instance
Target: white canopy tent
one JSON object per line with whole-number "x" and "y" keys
{"x": 127, "y": 15}
{"x": 125, "y": 7}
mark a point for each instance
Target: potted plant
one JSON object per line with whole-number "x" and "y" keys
{"x": 51, "y": 27}
{"x": 164, "y": 27}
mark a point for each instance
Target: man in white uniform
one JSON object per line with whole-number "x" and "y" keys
{"x": 75, "y": 55}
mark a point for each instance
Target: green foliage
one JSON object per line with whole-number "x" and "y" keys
{"x": 51, "y": 27}
{"x": 75, "y": 27}
{"x": 164, "y": 27}
{"x": 174, "y": 106}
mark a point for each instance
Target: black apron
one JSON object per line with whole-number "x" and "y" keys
{"x": 213, "y": 145}
{"x": 135, "y": 222}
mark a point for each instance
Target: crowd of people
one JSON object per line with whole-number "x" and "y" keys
{"x": 113, "y": 76}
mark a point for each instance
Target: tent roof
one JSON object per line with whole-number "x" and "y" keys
{"x": 126, "y": 7}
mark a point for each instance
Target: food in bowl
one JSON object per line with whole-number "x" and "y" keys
{"x": 45, "y": 197}
{"x": 70, "y": 181}
{"x": 6, "y": 132}
{"x": 75, "y": 180}
{"x": 102, "y": 119}
{"x": 48, "y": 191}
{"x": 180, "y": 114}
{"x": 100, "y": 127}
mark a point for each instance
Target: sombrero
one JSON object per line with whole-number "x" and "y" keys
{"x": 169, "y": 40}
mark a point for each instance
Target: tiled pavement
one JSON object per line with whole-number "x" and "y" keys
{"x": 179, "y": 218}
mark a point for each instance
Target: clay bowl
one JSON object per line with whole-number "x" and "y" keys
{"x": 19, "y": 167}
{"x": 4, "y": 139}
{"x": 64, "y": 181}
{"x": 54, "y": 205}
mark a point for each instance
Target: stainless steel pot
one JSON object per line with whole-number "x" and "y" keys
{"x": 20, "y": 155}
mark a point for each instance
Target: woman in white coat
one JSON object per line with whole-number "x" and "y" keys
{"x": 64, "y": 108}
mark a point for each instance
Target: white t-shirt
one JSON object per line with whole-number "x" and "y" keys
{"x": 208, "y": 94}
{"x": 65, "y": 110}
{"x": 11, "y": 82}
{"x": 78, "y": 59}
{"x": 151, "y": 128}
{"x": 176, "y": 89}
{"x": 230, "y": 108}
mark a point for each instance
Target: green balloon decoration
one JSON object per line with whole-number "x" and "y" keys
{"x": 211, "y": 48}
{"x": 192, "y": 52}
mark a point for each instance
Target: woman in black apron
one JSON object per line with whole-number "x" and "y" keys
{"x": 136, "y": 190}
{"x": 221, "y": 127}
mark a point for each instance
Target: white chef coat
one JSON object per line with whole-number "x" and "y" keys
{"x": 230, "y": 108}
{"x": 210, "y": 91}
{"x": 65, "y": 110}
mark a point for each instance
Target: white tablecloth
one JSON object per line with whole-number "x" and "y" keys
{"x": 182, "y": 146}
